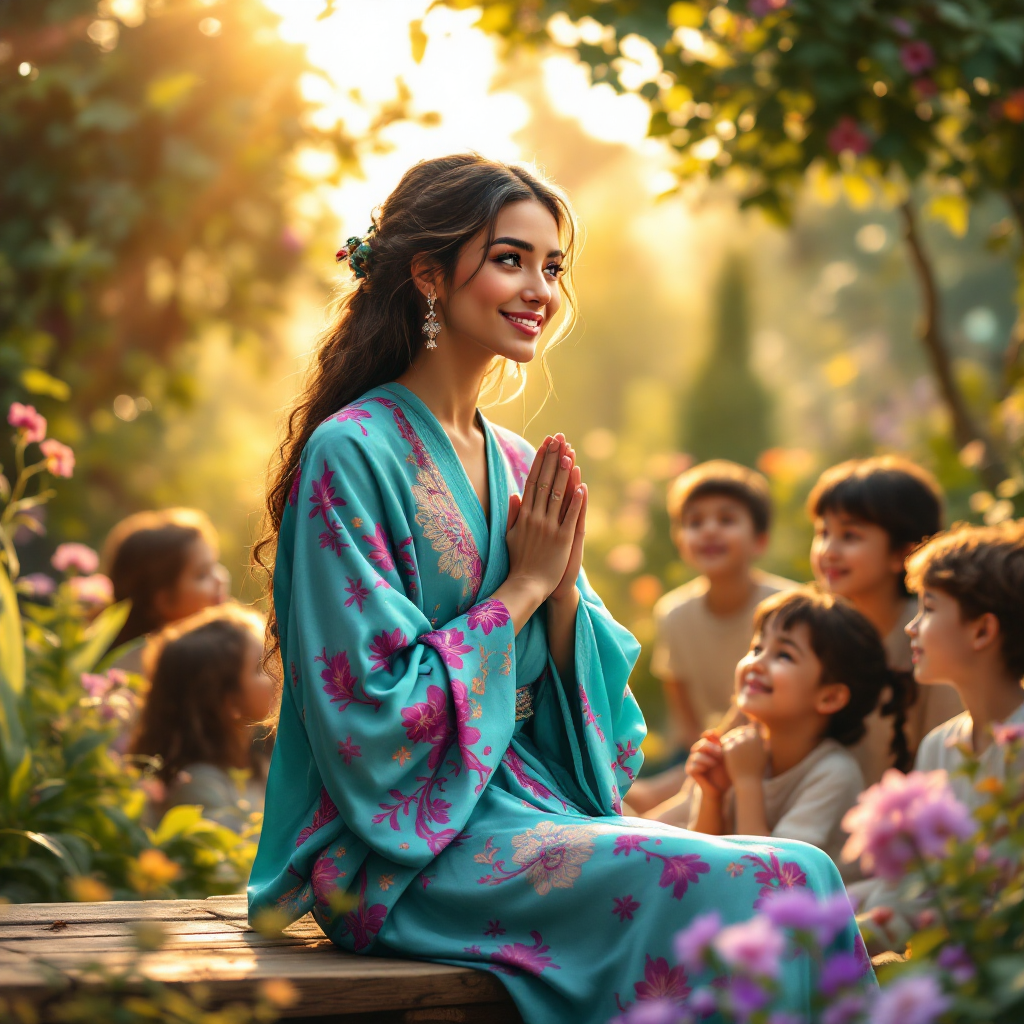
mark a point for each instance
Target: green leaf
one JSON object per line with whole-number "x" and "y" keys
{"x": 12, "y": 675}
{"x": 21, "y": 777}
{"x": 98, "y": 637}
{"x": 177, "y": 822}
{"x": 47, "y": 842}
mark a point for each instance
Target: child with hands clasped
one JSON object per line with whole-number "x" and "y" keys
{"x": 814, "y": 672}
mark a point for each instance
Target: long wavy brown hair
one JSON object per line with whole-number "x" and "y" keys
{"x": 435, "y": 210}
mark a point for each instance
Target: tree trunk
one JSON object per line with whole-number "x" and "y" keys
{"x": 965, "y": 428}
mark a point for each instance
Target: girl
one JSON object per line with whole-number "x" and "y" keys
{"x": 208, "y": 695}
{"x": 456, "y": 732}
{"x": 868, "y": 515}
{"x": 166, "y": 564}
{"x": 814, "y": 672}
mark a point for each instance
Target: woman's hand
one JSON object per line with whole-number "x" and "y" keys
{"x": 566, "y": 588}
{"x": 744, "y": 753}
{"x": 706, "y": 766}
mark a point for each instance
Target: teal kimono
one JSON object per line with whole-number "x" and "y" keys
{"x": 409, "y": 806}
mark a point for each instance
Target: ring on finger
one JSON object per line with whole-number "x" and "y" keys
{"x": 541, "y": 486}
{"x": 556, "y": 495}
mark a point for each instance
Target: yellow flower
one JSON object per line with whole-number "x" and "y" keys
{"x": 386, "y": 881}
{"x": 153, "y": 869}
{"x": 554, "y": 854}
{"x": 86, "y": 889}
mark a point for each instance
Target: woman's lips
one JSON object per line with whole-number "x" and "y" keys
{"x": 528, "y": 323}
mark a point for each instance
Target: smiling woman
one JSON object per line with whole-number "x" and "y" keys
{"x": 457, "y": 732}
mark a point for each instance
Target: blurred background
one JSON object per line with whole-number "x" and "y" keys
{"x": 177, "y": 175}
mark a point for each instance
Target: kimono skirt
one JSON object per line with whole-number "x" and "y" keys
{"x": 411, "y": 807}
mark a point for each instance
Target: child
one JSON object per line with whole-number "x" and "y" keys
{"x": 720, "y": 513}
{"x": 166, "y": 564}
{"x": 208, "y": 694}
{"x": 969, "y": 631}
{"x": 814, "y": 672}
{"x": 869, "y": 514}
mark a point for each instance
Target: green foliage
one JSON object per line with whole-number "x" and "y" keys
{"x": 727, "y": 414}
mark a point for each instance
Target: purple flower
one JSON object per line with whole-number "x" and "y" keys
{"x": 427, "y": 722}
{"x": 60, "y": 459}
{"x": 754, "y": 946}
{"x": 347, "y": 749}
{"x": 904, "y": 817}
{"x": 655, "y": 1011}
{"x": 37, "y": 584}
{"x": 364, "y": 922}
{"x": 494, "y": 929}
{"x": 353, "y": 413}
{"x": 840, "y": 971}
{"x": 801, "y": 910}
{"x": 680, "y": 870}
{"x": 762, "y": 8}
{"x": 703, "y": 1002}
{"x": 914, "y": 999}
{"x": 448, "y": 643}
{"x": 26, "y": 419}
{"x": 487, "y": 615}
{"x": 323, "y": 497}
{"x": 358, "y": 591}
{"x": 1007, "y": 734}
{"x": 96, "y": 685}
{"x": 692, "y": 943}
{"x": 93, "y": 590}
{"x": 628, "y": 844}
{"x": 785, "y": 1017}
{"x": 661, "y": 981}
{"x": 916, "y": 56}
{"x": 324, "y": 876}
{"x": 902, "y": 27}
{"x": 384, "y": 647}
{"x": 847, "y": 1009}
{"x": 847, "y": 135}
{"x": 324, "y": 813}
{"x": 527, "y": 958}
{"x": 379, "y": 551}
{"x": 341, "y": 682}
{"x": 746, "y": 996}
{"x": 75, "y": 558}
{"x": 624, "y": 907}
{"x": 956, "y": 960}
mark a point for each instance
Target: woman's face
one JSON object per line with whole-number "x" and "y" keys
{"x": 505, "y": 305}
{"x": 203, "y": 582}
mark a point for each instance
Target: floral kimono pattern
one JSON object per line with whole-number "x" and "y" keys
{"x": 407, "y": 808}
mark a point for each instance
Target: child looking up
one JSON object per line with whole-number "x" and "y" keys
{"x": 868, "y": 515}
{"x": 814, "y": 672}
{"x": 969, "y": 631}
{"x": 208, "y": 694}
{"x": 721, "y": 514}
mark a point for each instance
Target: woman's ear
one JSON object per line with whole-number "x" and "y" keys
{"x": 425, "y": 274}
{"x": 831, "y": 698}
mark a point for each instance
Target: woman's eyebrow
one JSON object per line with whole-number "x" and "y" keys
{"x": 518, "y": 243}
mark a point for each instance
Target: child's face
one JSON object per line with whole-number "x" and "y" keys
{"x": 202, "y": 583}
{"x": 717, "y": 536}
{"x": 256, "y": 689}
{"x": 942, "y": 644}
{"x": 779, "y": 680}
{"x": 850, "y": 556}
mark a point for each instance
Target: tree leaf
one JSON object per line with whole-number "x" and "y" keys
{"x": 98, "y": 637}
{"x": 47, "y": 842}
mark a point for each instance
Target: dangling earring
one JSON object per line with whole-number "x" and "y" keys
{"x": 431, "y": 328}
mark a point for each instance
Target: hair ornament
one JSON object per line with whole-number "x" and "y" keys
{"x": 357, "y": 252}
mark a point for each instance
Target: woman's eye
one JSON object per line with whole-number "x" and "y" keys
{"x": 510, "y": 259}
{"x": 554, "y": 269}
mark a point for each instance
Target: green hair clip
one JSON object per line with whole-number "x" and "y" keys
{"x": 358, "y": 253}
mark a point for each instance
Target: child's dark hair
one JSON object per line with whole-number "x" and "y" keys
{"x": 851, "y": 653}
{"x": 193, "y": 666}
{"x": 146, "y": 553}
{"x": 722, "y": 478}
{"x": 894, "y": 493}
{"x": 982, "y": 569}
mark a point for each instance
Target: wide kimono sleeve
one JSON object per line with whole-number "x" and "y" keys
{"x": 382, "y": 741}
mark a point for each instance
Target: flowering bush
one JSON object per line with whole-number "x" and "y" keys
{"x": 71, "y": 802}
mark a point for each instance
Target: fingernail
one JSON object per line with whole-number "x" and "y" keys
{"x": 553, "y": 447}
{"x": 566, "y": 462}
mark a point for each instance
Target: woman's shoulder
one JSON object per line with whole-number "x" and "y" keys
{"x": 366, "y": 425}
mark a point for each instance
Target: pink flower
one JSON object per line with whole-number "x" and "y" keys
{"x": 624, "y": 907}
{"x": 353, "y": 413}
{"x": 1007, "y": 734}
{"x": 37, "y": 584}
{"x": 155, "y": 790}
{"x": 60, "y": 459}
{"x": 94, "y": 590}
{"x": 364, "y": 922}
{"x": 847, "y": 135}
{"x": 628, "y": 844}
{"x": 845, "y": 1010}
{"x": 75, "y": 558}
{"x": 96, "y": 685}
{"x": 427, "y": 722}
{"x": 26, "y": 419}
{"x": 761, "y": 8}
{"x": 746, "y": 997}
{"x": 341, "y": 682}
{"x": 902, "y": 818}
{"x": 916, "y": 56}
{"x": 494, "y": 929}
{"x": 661, "y": 981}
{"x": 840, "y": 971}
{"x": 801, "y": 910}
{"x": 527, "y": 958}
{"x": 379, "y": 551}
{"x": 384, "y": 647}
{"x": 324, "y": 813}
{"x": 913, "y": 999}
{"x": 347, "y": 749}
{"x": 516, "y": 766}
{"x": 448, "y": 643}
{"x": 692, "y": 943}
{"x": 323, "y": 498}
{"x": 487, "y": 615}
{"x": 680, "y": 870}
{"x": 774, "y": 875}
{"x": 324, "y": 876}
{"x": 358, "y": 591}
{"x": 754, "y": 947}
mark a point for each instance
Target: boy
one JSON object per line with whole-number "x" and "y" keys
{"x": 969, "y": 631}
{"x": 720, "y": 513}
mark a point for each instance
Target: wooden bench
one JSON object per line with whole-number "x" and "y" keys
{"x": 209, "y": 941}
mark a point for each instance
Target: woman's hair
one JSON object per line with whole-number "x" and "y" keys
{"x": 851, "y": 652}
{"x": 194, "y": 665}
{"x": 894, "y": 493}
{"x": 147, "y": 553}
{"x": 437, "y": 207}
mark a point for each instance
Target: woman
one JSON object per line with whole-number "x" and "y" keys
{"x": 456, "y": 731}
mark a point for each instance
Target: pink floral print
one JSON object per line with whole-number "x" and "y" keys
{"x": 448, "y": 643}
{"x": 516, "y": 461}
{"x": 354, "y": 413}
{"x": 487, "y": 615}
{"x": 341, "y": 683}
{"x": 531, "y": 959}
{"x": 347, "y": 749}
{"x": 515, "y": 765}
{"x": 660, "y": 982}
{"x": 324, "y": 878}
{"x": 321, "y": 816}
{"x": 678, "y": 871}
{"x": 364, "y": 922}
{"x": 380, "y": 549}
{"x": 427, "y": 721}
{"x": 494, "y": 929}
{"x": 358, "y": 591}
{"x": 774, "y": 876}
{"x": 323, "y": 497}
{"x": 588, "y": 715}
{"x": 384, "y": 647}
{"x": 624, "y": 907}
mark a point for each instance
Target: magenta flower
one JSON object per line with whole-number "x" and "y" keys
{"x": 691, "y": 945}
{"x": 913, "y": 999}
{"x": 680, "y": 871}
{"x": 904, "y": 817}
{"x": 661, "y": 981}
{"x": 515, "y": 765}
{"x": 92, "y": 590}
{"x": 628, "y": 844}
{"x": 746, "y": 997}
{"x": 774, "y": 875}
{"x": 448, "y": 643}
{"x": 355, "y": 414}
{"x": 956, "y": 960}
{"x": 358, "y": 591}
{"x": 380, "y": 552}
{"x": 60, "y": 459}
{"x": 28, "y": 421}
{"x": 341, "y": 683}
{"x": 37, "y": 584}
{"x": 840, "y": 971}
{"x": 96, "y": 685}
{"x": 427, "y": 722}
{"x": 347, "y": 749}
{"x": 753, "y": 947}
{"x": 847, "y": 136}
{"x": 624, "y": 907}
{"x": 321, "y": 816}
{"x": 75, "y": 558}
{"x": 801, "y": 910}
{"x": 323, "y": 497}
{"x": 324, "y": 876}
{"x": 364, "y": 922}
{"x": 487, "y": 615}
{"x": 762, "y": 8}
{"x": 494, "y": 929}
{"x": 1005, "y": 734}
{"x": 848, "y": 1009}
{"x": 384, "y": 647}
{"x": 925, "y": 88}
{"x": 531, "y": 959}
{"x": 916, "y": 56}
{"x": 468, "y": 734}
